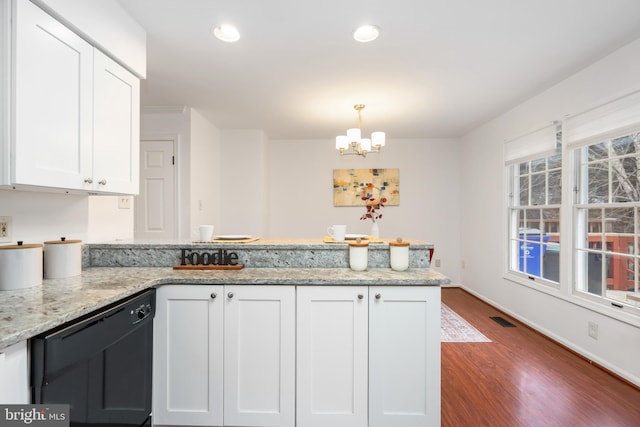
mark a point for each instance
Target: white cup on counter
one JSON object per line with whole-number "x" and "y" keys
{"x": 338, "y": 232}
{"x": 206, "y": 233}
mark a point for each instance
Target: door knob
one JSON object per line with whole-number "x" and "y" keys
{"x": 378, "y": 296}
{"x": 230, "y": 295}
{"x": 360, "y": 296}
{"x": 89, "y": 180}
{"x": 213, "y": 295}
{"x": 102, "y": 182}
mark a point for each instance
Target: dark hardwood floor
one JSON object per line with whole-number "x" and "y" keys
{"x": 524, "y": 379}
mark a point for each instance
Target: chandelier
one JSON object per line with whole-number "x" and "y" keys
{"x": 359, "y": 146}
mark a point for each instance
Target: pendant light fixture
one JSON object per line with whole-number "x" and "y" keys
{"x": 359, "y": 146}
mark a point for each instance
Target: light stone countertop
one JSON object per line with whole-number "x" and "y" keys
{"x": 29, "y": 312}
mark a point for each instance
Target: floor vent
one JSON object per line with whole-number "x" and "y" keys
{"x": 503, "y": 322}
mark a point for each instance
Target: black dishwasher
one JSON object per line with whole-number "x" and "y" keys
{"x": 99, "y": 364}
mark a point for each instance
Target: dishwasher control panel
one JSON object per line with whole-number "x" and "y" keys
{"x": 140, "y": 313}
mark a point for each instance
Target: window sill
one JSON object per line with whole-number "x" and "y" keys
{"x": 627, "y": 314}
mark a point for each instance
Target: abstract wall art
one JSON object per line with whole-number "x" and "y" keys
{"x": 350, "y": 185}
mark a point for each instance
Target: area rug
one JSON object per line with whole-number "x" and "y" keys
{"x": 455, "y": 329}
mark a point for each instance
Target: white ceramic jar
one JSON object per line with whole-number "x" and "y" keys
{"x": 62, "y": 258}
{"x": 358, "y": 255}
{"x": 399, "y": 254}
{"x": 20, "y": 266}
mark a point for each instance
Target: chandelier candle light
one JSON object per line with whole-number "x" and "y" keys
{"x": 359, "y": 146}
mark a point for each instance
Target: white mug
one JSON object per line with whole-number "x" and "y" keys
{"x": 337, "y": 232}
{"x": 206, "y": 233}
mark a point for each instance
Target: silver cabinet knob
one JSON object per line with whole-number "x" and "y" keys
{"x": 378, "y": 296}
{"x": 230, "y": 294}
{"x": 213, "y": 295}
{"x": 360, "y": 296}
{"x": 102, "y": 182}
{"x": 89, "y": 180}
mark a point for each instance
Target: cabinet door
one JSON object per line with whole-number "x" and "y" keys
{"x": 259, "y": 355}
{"x": 404, "y": 356}
{"x": 116, "y": 127}
{"x": 52, "y": 102}
{"x": 332, "y": 341}
{"x": 187, "y": 355}
{"x": 14, "y": 374}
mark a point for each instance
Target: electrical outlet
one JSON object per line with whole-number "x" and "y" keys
{"x": 124, "y": 202}
{"x": 593, "y": 330}
{"x": 437, "y": 262}
{"x": 5, "y": 228}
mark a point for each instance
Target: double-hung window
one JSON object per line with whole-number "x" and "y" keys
{"x": 607, "y": 219}
{"x": 535, "y": 170}
{"x": 605, "y": 143}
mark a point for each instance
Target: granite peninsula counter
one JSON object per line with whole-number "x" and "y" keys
{"x": 133, "y": 267}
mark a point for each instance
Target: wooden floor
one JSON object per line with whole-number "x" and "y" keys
{"x": 524, "y": 379}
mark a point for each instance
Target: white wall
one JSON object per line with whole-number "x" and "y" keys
{"x": 106, "y": 222}
{"x": 37, "y": 217}
{"x": 205, "y": 171}
{"x": 483, "y": 220}
{"x": 244, "y": 206}
{"x": 301, "y": 193}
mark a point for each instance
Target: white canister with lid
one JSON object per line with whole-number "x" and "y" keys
{"x": 399, "y": 254}
{"x": 62, "y": 258}
{"x": 20, "y": 266}
{"x": 358, "y": 255}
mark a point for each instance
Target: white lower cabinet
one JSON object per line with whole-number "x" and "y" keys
{"x": 404, "y": 356}
{"x": 224, "y": 355}
{"x": 311, "y": 356}
{"x": 188, "y": 355}
{"x": 14, "y": 374}
{"x": 259, "y": 356}
{"x": 332, "y": 339}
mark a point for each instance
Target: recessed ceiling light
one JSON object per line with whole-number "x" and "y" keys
{"x": 226, "y": 33}
{"x": 366, "y": 33}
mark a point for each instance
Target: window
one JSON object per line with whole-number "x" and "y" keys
{"x": 596, "y": 153}
{"x": 607, "y": 219}
{"x": 534, "y": 218}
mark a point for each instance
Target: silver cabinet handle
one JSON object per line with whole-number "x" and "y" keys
{"x": 89, "y": 180}
{"x": 213, "y": 295}
{"x": 230, "y": 294}
{"x": 378, "y": 296}
{"x": 360, "y": 296}
{"x": 102, "y": 182}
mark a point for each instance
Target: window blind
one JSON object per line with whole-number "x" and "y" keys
{"x": 534, "y": 145}
{"x": 611, "y": 120}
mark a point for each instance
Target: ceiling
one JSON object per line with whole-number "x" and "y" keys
{"x": 438, "y": 69}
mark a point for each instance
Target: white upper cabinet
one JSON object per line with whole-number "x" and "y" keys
{"x": 116, "y": 127}
{"x": 52, "y": 102}
{"x": 73, "y": 113}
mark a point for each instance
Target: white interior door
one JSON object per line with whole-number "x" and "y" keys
{"x": 155, "y": 206}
